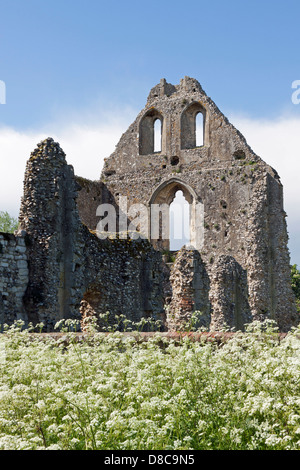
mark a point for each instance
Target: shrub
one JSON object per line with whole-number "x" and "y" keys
{"x": 8, "y": 224}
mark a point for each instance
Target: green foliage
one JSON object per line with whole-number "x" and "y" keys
{"x": 296, "y": 284}
{"x": 169, "y": 257}
{"x": 8, "y": 224}
{"x": 105, "y": 322}
{"x": 295, "y": 280}
{"x": 194, "y": 324}
{"x": 116, "y": 393}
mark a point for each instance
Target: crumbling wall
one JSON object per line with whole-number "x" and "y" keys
{"x": 13, "y": 277}
{"x": 190, "y": 291}
{"x": 241, "y": 270}
{"x": 90, "y": 195}
{"x": 67, "y": 261}
{"x": 49, "y": 216}
{"x": 229, "y": 295}
{"x": 120, "y": 277}
{"x": 241, "y": 194}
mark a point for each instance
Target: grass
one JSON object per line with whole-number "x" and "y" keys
{"x": 113, "y": 392}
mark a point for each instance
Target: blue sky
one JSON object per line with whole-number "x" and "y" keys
{"x": 68, "y": 54}
{"x": 82, "y": 70}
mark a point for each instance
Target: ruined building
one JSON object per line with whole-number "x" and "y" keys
{"x": 235, "y": 268}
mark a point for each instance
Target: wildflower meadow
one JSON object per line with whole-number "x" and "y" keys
{"x": 112, "y": 391}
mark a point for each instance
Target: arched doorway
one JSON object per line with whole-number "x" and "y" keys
{"x": 159, "y": 213}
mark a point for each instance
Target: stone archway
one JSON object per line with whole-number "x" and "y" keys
{"x": 159, "y": 210}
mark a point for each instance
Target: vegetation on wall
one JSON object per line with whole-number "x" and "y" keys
{"x": 8, "y": 224}
{"x": 296, "y": 284}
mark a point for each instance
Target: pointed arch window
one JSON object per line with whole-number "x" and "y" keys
{"x": 176, "y": 217}
{"x": 151, "y": 133}
{"x": 193, "y": 126}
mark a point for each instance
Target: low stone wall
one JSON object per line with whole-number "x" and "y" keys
{"x": 13, "y": 276}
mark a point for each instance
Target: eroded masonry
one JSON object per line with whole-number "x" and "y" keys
{"x": 55, "y": 266}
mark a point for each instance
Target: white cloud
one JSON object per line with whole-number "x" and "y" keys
{"x": 277, "y": 142}
{"x": 85, "y": 146}
{"x": 15, "y": 148}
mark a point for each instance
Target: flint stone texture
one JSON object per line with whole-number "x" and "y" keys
{"x": 229, "y": 294}
{"x": 236, "y": 269}
{"x": 13, "y": 278}
{"x": 190, "y": 291}
{"x": 69, "y": 266}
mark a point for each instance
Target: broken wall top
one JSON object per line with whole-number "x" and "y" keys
{"x": 176, "y": 107}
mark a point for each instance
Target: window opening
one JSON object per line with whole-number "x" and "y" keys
{"x": 157, "y": 135}
{"x": 199, "y": 130}
{"x": 151, "y": 133}
{"x": 179, "y": 222}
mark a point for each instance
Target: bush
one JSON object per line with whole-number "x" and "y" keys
{"x": 8, "y": 224}
{"x": 296, "y": 284}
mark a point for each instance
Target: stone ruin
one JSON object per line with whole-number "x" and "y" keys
{"x": 236, "y": 268}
